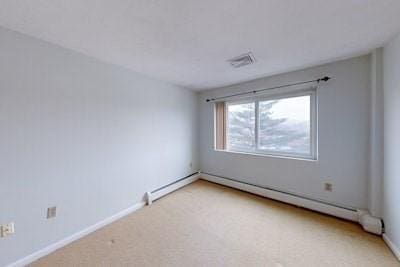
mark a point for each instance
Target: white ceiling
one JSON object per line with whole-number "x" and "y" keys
{"x": 187, "y": 42}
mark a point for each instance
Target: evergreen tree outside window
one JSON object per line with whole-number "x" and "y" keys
{"x": 241, "y": 127}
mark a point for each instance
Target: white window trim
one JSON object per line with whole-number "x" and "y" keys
{"x": 313, "y": 124}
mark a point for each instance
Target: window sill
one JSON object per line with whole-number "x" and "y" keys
{"x": 267, "y": 155}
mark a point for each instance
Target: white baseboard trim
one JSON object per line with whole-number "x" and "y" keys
{"x": 152, "y": 196}
{"x": 344, "y": 213}
{"x": 59, "y": 244}
{"x": 392, "y": 246}
{"x": 368, "y": 222}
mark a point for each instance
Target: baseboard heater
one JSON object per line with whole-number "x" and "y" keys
{"x": 151, "y": 196}
{"x": 166, "y": 189}
{"x": 368, "y": 222}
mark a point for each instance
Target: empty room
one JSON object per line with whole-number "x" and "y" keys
{"x": 199, "y": 133}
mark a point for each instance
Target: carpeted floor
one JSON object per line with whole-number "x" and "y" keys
{"x": 205, "y": 224}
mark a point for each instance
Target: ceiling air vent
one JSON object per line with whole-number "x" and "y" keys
{"x": 242, "y": 60}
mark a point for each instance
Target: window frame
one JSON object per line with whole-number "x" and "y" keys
{"x": 312, "y": 93}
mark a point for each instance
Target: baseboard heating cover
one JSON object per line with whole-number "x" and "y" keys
{"x": 162, "y": 191}
{"x": 369, "y": 223}
{"x": 363, "y": 217}
{"x": 155, "y": 194}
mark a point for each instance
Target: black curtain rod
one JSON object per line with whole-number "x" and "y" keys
{"x": 324, "y": 79}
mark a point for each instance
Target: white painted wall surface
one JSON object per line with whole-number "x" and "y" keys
{"x": 391, "y": 184}
{"x": 343, "y": 120}
{"x": 82, "y": 135}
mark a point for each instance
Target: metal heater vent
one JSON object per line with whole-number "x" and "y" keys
{"x": 242, "y": 60}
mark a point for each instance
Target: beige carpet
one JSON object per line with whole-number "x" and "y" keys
{"x": 205, "y": 224}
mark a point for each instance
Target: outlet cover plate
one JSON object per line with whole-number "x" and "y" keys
{"x": 328, "y": 187}
{"x": 7, "y": 229}
{"x": 51, "y": 212}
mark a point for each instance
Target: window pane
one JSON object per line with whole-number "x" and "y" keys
{"x": 285, "y": 125}
{"x": 241, "y": 127}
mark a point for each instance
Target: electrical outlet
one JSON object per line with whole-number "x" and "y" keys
{"x": 51, "y": 212}
{"x": 7, "y": 229}
{"x": 328, "y": 187}
{"x": 191, "y": 165}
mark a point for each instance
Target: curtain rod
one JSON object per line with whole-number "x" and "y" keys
{"x": 324, "y": 79}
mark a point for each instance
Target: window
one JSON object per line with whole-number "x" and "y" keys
{"x": 282, "y": 125}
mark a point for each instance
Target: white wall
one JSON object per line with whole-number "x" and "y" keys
{"x": 391, "y": 188}
{"x": 344, "y": 105}
{"x": 86, "y": 136}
